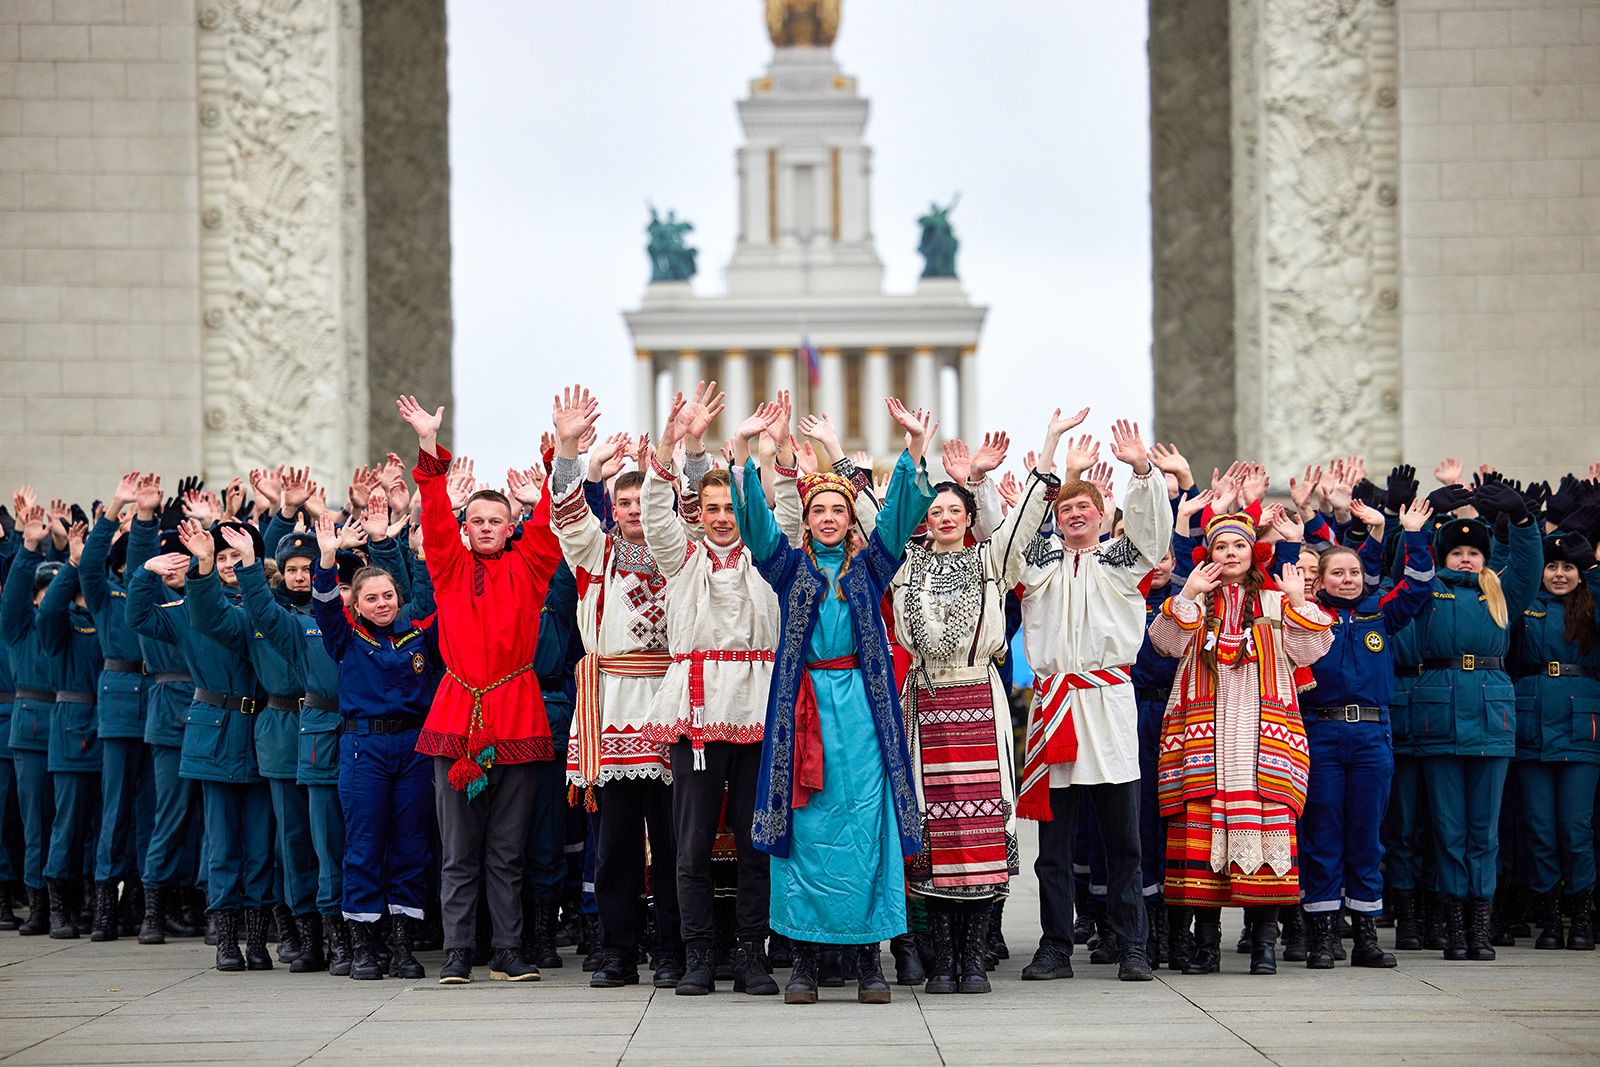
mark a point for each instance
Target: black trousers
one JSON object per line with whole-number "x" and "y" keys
{"x": 483, "y": 844}
{"x": 696, "y": 807}
{"x": 1117, "y": 812}
{"x": 631, "y": 808}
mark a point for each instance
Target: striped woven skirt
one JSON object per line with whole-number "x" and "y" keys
{"x": 1190, "y": 881}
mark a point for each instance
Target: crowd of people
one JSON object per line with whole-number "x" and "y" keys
{"x": 718, "y": 715}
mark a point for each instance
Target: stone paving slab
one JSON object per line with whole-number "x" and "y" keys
{"x": 122, "y": 1003}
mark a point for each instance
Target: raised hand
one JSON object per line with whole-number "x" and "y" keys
{"x": 1370, "y": 516}
{"x": 147, "y": 496}
{"x": 1203, "y": 580}
{"x": 764, "y": 418}
{"x": 676, "y": 424}
{"x": 1402, "y": 486}
{"x": 233, "y": 499}
{"x": 352, "y": 535}
{"x": 201, "y": 506}
{"x": 1010, "y": 491}
{"x": 1169, "y": 460}
{"x": 34, "y": 526}
{"x": 525, "y": 485}
{"x": 75, "y": 535}
{"x": 1062, "y": 426}
{"x": 1189, "y": 507}
{"x": 607, "y": 458}
{"x": 1082, "y": 454}
{"x": 989, "y": 456}
{"x": 197, "y": 539}
{"x": 698, "y": 413}
{"x": 957, "y": 461}
{"x": 573, "y": 413}
{"x": 1054, "y": 430}
{"x": 805, "y": 459}
{"x": 167, "y": 566}
{"x": 460, "y": 482}
{"x": 327, "y": 539}
{"x": 123, "y": 495}
{"x": 1300, "y": 489}
{"x": 1415, "y": 515}
{"x": 375, "y": 518}
{"x": 241, "y": 541}
{"x": 1448, "y": 472}
{"x": 821, "y": 430}
{"x": 1452, "y": 496}
{"x": 1127, "y": 446}
{"x": 1256, "y": 483}
{"x": 920, "y": 426}
{"x": 1292, "y": 580}
{"x": 57, "y": 514}
{"x": 426, "y": 425}
{"x": 780, "y": 432}
{"x": 1288, "y": 526}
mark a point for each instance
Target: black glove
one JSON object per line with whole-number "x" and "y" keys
{"x": 78, "y": 515}
{"x": 1583, "y": 520}
{"x": 1497, "y": 498}
{"x": 1369, "y": 494}
{"x": 1535, "y": 496}
{"x": 1564, "y": 499}
{"x": 1402, "y": 486}
{"x": 1449, "y": 498}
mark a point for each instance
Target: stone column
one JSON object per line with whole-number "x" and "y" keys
{"x": 924, "y": 379}
{"x": 874, "y": 387}
{"x": 967, "y": 393}
{"x": 830, "y": 398}
{"x": 736, "y": 384}
{"x": 782, "y": 376}
{"x": 644, "y": 389}
{"x": 687, "y": 372}
{"x": 1315, "y": 174}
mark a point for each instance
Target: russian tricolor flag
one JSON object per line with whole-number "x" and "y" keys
{"x": 813, "y": 361}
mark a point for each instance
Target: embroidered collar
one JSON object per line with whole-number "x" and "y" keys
{"x": 728, "y": 560}
{"x": 629, "y": 558}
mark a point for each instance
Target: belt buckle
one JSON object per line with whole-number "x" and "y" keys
{"x": 1553, "y": 669}
{"x": 248, "y": 706}
{"x": 1352, "y": 713}
{"x": 1469, "y": 662}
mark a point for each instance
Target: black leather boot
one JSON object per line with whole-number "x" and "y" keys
{"x": 617, "y": 968}
{"x": 153, "y": 930}
{"x": 403, "y": 964}
{"x": 802, "y": 987}
{"x": 311, "y": 958}
{"x": 974, "y": 955}
{"x": 1500, "y": 921}
{"x": 229, "y": 958}
{"x": 364, "y": 963}
{"x": 908, "y": 968}
{"x": 1155, "y": 922}
{"x": 211, "y": 928}
{"x": 1581, "y": 937}
{"x": 1433, "y": 935}
{"x": 1207, "y": 955}
{"x": 63, "y": 918}
{"x": 1180, "y": 936}
{"x": 1264, "y": 948}
{"x": 1364, "y": 951}
{"x": 941, "y": 961}
{"x": 105, "y": 912}
{"x": 998, "y": 949}
{"x": 289, "y": 946}
{"x": 1083, "y": 909}
{"x": 667, "y": 968}
{"x": 1242, "y": 946}
{"x": 1478, "y": 923}
{"x": 256, "y": 956}
{"x": 752, "y": 974}
{"x": 545, "y": 921}
{"x": 1407, "y": 926}
{"x": 589, "y": 943}
{"x": 38, "y": 921}
{"x": 338, "y": 934}
{"x": 873, "y": 988}
{"x": 183, "y": 912}
{"x": 699, "y": 975}
{"x": 780, "y": 951}
{"x": 130, "y": 909}
{"x": 830, "y": 967}
{"x": 1453, "y": 928}
{"x": 8, "y": 917}
{"x": 1549, "y": 916}
{"x": 1106, "y": 946}
{"x": 1321, "y": 930}
{"x": 1294, "y": 934}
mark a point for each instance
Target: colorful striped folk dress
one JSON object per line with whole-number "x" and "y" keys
{"x": 1234, "y": 761}
{"x": 949, "y": 614}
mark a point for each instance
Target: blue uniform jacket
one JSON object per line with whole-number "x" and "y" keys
{"x": 166, "y": 703}
{"x": 1359, "y": 667}
{"x": 30, "y": 666}
{"x": 67, "y": 636}
{"x": 1558, "y": 718}
{"x": 218, "y": 613}
{"x": 218, "y": 744}
{"x": 384, "y": 672}
{"x": 1472, "y": 713}
{"x": 122, "y": 693}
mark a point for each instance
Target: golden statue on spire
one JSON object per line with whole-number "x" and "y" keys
{"x": 803, "y": 22}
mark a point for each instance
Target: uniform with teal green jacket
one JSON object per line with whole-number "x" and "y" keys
{"x": 1558, "y": 741}
{"x": 67, "y": 635}
{"x": 124, "y": 759}
{"x": 30, "y": 718}
{"x": 1405, "y": 864}
{"x": 1463, "y": 712}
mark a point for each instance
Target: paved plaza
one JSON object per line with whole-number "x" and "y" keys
{"x": 74, "y": 1002}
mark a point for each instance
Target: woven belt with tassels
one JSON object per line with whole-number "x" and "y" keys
{"x": 470, "y": 773}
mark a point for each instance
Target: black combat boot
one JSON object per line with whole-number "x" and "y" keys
{"x": 873, "y": 988}
{"x": 699, "y": 975}
{"x": 1242, "y": 946}
{"x": 1478, "y": 922}
{"x": 38, "y": 921}
{"x": 1294, "y": 934}
{"x": 780, "y": 951}
{"x": 908, "y": 968}
{"x": 545, "y": 923}
{"x": 130, "y": 909}
{"x": 229, "y": 958}
{"x": 1106, "y": 946}
{"x": 8, "y": 917}
{"x": 618, "y": 967}
{"x": 153, "y": 930}
{"x": 1321, "y": 932}
{"x": 364, "y": 963}
{"x": 1083, "y": 909}
{"x": 569, "y": 923}
{"x": 1549, "y": 916}
{"x": 998, "y": 949}
{"x": 63, "y": 917}
{"x": 339, "y": 951}
{"x": 751, "y": 972}
{"x": 311, "y": 958}
{"x": 973, "y": 955}
{"x": 1581, "y": 937}
{"x": 941, "y": 962}
{"x": 1263, "y": 948}
{"x": 256, "y": 956}
{"x": 1407, "y": 926}
{"x": 589, "y": 943}
{"x": 1180, "y": 936}
{"x": 1453, "y": 928}
{"x": 1365, "y": 951}
{"x": 289, "y": 945}
{"x": 1434, "y": 938}
{"x": 830, "y": 967}
{"x": 1207, "y": 955}
{"x": 1501, "y": 921}
{"x": 403, "y": 963}
{"x": 802, "y": 987}
{"x": 105, "y": 912}
{"x": 183, "y": 912}
{"x": 1155, "y": 923}
{"x": 668, "y": 968}
{"x": 211, "y": 928}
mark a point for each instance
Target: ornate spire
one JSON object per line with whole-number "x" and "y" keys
{"x": 812, "y": 23}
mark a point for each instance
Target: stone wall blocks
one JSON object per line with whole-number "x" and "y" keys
{"x": 33, "y": 377}
{"x": 58, "y": 192}
{"x": 1545, "y": 103}
{"x": 138, "y": 268}
{"x": 28, "y": 80}
{"x": 53, "y": 414}
{"x": 1591, "y": 25}
{"x": 98, "y": 303}
{"x": 28, "y": 155}
{"x": 1420, "y": 181}
{"x": 161, "y": 81}
{"x": 1549, "y": 254}
{"x": 1562, "y": 26}
{"x": 58, "y": 266}
{"x": 1474, "y": 180}
{"x": 89, "y": 12}
{"x": 1474, "y": 103}
{"x": 127, "y": 118}
{"x": 1474, "y": 255}
{"x": 57, "y": 118}
{"x": 29, "y": 229}
{"x": 1419, "y": 29}
{"x": 164, "y": 12}
{"x": 1573, "y": 140}
{"x": 1546, "y": 179}
{"x": 52, "y": 42}
{"x": 1509, "y": 66}
{"x": 124, "y": 415}
{"x": 1548, "y": 329}
{"x": 103, "y": 378}
{"x": 91, "y": 81}
{"x": 1473, "y": 29}
{"x": 1572, "y": 63}
{"x": 1431, "y": 144}
{"x": 127, "y": 192}
{"x": 1442, "y": 67}
{"x": 1575, "y": 217}
{"x": 94, "y": 229}
{"x": 1509, "y": 141}
{"x": 137, "y": 43}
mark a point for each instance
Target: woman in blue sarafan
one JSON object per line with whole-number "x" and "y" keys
{"x": 835, "y": 805}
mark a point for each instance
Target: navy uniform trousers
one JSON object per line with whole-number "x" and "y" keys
{"x": 386, "y": 792}
{"x": 1341, "y": 846}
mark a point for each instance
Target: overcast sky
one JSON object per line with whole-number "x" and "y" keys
{"x": 565, "y": 118}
